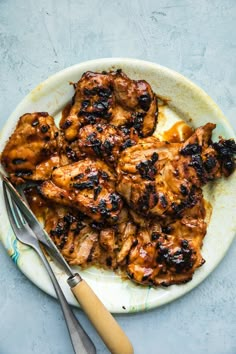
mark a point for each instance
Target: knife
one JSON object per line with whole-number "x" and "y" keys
{"x": 102, "y": 320}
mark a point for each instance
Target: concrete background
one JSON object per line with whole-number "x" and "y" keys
{"x": 196, "y": 38}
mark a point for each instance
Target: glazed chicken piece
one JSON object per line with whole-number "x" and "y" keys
{"x": 137, "y": 176}
{"x": 165, "y": 255}
{"x": 104, "y": 141}
{"x": 84, "y": 242}
{"x": 100, "y": 140}
{"x": 69, "y": 229}
{"x": 116, "y": 240}
{"x": 208, "y": 160}
{"x": 87, "y": 185}
{"x": 126, "y": 240}
{"x": 135, "y": 104}
{"x": 91, "y": 103}
{"x": 111, "y": 98}
{"x": 38, "y": 204}
{"x": 81, "y": 240}
{"x": 69, "y": 151}
{"x": 72, "y": 234}
{"x": 31, "y": 153}
{"x": 160, "y": 178}
{"x": 75, "y": 235}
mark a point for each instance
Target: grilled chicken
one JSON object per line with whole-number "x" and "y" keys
{"x": 104, "y": 152}
{"x": 71, "y": 231}
{"x": 81, "y": 240}
{"x": 85, "y": 243}
{"x": 31, "y": 153}
{"x": 160, "y": 178}
{"x": 111, "y": 98}
{"x": 88, "y": 185}
{"x": 135, "y": 104}
{"x": 73, "y": 235}
{"x": 100, "y": 140}
{"x": 91, "y": 103}
{"x": 158, "y": 254}
{"x": 126, "y": 240}
{"x": 152, "y": 250}
{"x": 169, "y": 254}
{"x": 105, "y": 141}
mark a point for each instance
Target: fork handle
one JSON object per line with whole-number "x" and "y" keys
{"x": 105, "y": 324}
{"x": 81, "y": 342}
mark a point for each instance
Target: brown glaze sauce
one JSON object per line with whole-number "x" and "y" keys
{"x": 178, "y": 133}
{"x": 36, "y": 202}
{"x": 208, "y": 211}
{"x": 66, "y": 110}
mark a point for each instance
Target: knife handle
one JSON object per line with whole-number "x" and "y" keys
{"x": 105, "y": 324}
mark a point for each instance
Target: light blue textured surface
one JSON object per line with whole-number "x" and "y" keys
{"x": 196, "y": 38}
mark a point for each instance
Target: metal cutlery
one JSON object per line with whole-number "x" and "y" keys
{"x": 105, "y": 324}
{"x": 81, "y": 342}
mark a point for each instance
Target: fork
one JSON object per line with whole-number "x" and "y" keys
{"x": 81, "y": 342}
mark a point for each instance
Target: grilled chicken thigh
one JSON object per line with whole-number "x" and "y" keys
{"x": 85, "y": 243}
{"x": 72, "y": 234}
{"x": 31, "y": 153}
{"x": 111, "y": 98}
{"x": 100, "y": 140}
{"x": 81, "y": 240}
{"x": 169, "y": 254}
{"x": 91, "y": 103}
{"x": 105, "y": 141}
{"x": 88, "y": 185}
{"x": 160, "y": 178}
{"x": 135, "y": 104}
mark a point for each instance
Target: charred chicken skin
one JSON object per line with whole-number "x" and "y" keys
{"x": 32, "y": 151}
{"x": 169, "y": 252}
{"x": 101, "y": 140}
{"x": 105, "y": 141}
{"x": 72, "y": 234}
{"x": 81, "y": 240}
{"x": 88, "y": 185}
{"x": 69, "y": 229}
{"x": 111, "y": 98}
{"x": 84, "y": 242}
{"x": 160, "y": 178}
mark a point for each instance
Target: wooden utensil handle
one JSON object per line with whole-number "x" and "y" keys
{"x": 105, "y": 324}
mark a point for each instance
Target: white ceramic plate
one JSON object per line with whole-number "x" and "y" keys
{"x": 186, "y": 101}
